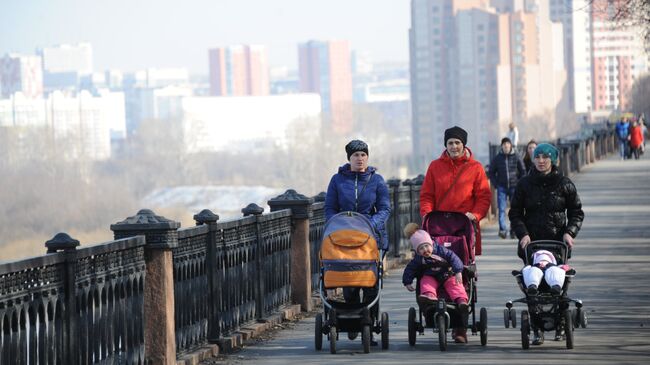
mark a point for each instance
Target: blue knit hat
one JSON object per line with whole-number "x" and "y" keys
{"x": 548, "y": 150}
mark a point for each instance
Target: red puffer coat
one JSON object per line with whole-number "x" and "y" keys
{"x": 636, "y": 136}
{"x": 470, "y": 193}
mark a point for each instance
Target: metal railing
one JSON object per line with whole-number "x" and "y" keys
{"x": 88, "y": 305}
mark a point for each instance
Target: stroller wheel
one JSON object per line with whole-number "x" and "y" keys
{"x": 365, "y": 339}
{"x": 580, "y": 318}
{"x": 318, "y": 332}
{"x": 384, "y": 331}
{"x": 513, "y": 317}
{"x": 525, "y": 330}
{"x": 441, "y": 323}
{"x": 484, "y": 326}
{"x": 568, "y": 328}
{"x": 506, "y": 318}
{"x": 333, "y": 335}
{"x": 412, "y": 327}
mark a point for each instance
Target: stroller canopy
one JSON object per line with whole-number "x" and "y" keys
{"x": 349, "y": 254}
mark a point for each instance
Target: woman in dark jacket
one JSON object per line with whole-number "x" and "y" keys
{"x": 546, "y": 205}
{"x": 358, "y": 187}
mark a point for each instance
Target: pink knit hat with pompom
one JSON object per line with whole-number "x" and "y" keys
{"x": 420, "y": 237}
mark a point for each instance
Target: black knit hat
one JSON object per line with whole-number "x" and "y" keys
{"x": 354, "y": 146}
{"x": 456, "y": 132}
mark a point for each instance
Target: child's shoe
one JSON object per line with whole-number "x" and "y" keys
{"x": 426, "y": 300}
{"x": 556, "y": 290}
{"x": 532, "y": 289}
{"x": 460, "y": 335}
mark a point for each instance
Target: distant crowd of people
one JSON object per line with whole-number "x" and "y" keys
{"x": 631, "y": 134}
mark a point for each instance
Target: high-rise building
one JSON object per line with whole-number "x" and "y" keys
{"x": 239, "y": 70}
{"x": 325, "y": 68}
{"x": 64, "y": 65}
{"x": 480, "y": 65}
{"x": 576, "y": 22}
{"x": 619, "y": 57}
{"x": 22, "y": 74}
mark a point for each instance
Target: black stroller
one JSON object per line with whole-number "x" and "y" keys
{"x": 546, "y": 311}
{"x": 455, "y": 232}
{"x": 349, "y": 258}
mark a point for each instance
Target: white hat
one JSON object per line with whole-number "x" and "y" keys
{"x": 543, "y": 255}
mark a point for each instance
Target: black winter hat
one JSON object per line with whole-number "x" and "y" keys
{"x": 456, "y": 132}
{"x": 354, "y": 146}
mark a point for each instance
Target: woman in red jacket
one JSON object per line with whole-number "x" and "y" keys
{"x": 636, "y": 139}
{"x": 456, "y": 182}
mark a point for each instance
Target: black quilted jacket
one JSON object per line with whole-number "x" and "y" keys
{"x": 545, "y": 207}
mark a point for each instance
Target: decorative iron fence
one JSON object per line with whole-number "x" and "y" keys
{"x": 74, "y": 307}
{"x": 88, "y": 305}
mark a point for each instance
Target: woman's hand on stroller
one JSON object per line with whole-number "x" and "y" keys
{"x": 471, "y": 216}
{"x": 410, "y": 287}
{"x": 525, "y": 240}
{"x": 568, "y": 239}
{"x": 459, "y": 278}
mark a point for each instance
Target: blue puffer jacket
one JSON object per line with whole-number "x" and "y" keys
{"x": 372, "y": 201}
{"x": 437, "y": 265}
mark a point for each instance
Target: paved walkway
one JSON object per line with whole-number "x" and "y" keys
{"x": 612, "y": 259}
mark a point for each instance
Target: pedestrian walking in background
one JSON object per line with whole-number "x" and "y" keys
{"x": 623, "y": 134}
{"x": 513, "y": 134}
{"x": 636, "y": 139}
{"x": 528, "y": 155}
{"x": 505, "y": 171}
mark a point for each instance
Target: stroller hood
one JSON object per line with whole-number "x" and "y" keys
{"x": 349, "y": 255}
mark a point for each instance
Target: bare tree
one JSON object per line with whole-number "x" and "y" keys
{"x": 626, "y": 13}
{"x": 640, "y": 99}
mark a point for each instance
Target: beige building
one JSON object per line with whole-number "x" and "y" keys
{"x": 480, "y": 65}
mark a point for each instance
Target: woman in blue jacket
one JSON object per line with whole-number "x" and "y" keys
{"x": 358, "y": 187}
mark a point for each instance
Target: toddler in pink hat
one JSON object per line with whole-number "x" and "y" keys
{"x": 434, "y": 265}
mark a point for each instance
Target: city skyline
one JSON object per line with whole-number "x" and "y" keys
{"x": 130, "y": 36}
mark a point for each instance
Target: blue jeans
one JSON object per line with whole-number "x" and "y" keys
{"x": 503, "y": 194}
{"x": 622, "y": 146}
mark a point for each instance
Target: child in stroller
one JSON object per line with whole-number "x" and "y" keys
{"x": 544, "y": 267}
{"x": 455, "y": 232}
{"x": 435, "y": 265}
{"x": 547, "y": 300}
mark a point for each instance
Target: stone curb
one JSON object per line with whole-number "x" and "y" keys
{"x": 237, "y": 339}
{"x": 194, "y": 358}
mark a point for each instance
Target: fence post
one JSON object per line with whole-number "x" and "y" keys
{"x": 63, "y": 242}
{"x": 393, "y": 185}
{"x": 256, "y": 211}
{"x": 416, "y": 186}
{"x": 211, "y": 266}
{"x": 301, "y": 211}
{"x": 161, "y": 235}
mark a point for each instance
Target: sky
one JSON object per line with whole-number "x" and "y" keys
{"x": 135, "y": 34}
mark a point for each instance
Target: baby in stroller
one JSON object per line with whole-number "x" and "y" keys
{"x": 545, "y": 281}
{"x": 544, "y": 267}
{"x": 435, "y": 266}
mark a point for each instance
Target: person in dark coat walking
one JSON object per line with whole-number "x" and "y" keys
{"x": 505, "y": 171}
{"x": 546, "y": 205}
{"x": 359, "y": 188}
{"x": 528, "y": 155}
